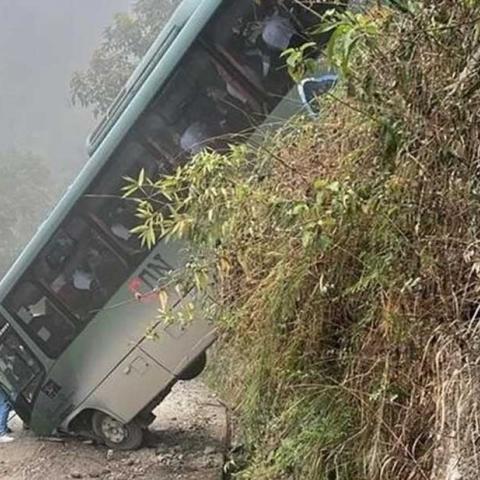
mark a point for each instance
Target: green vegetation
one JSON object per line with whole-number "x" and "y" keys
{"x": 345, "y": 255}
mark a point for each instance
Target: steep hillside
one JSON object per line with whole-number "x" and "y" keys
{"x": 347, "y": 260}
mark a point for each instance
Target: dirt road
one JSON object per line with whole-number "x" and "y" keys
{"x": 187, "y": 442}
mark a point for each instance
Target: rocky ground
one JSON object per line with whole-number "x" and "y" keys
{"x": 187, "y": 442}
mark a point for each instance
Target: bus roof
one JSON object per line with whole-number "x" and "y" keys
{"x": 154, "y": 70}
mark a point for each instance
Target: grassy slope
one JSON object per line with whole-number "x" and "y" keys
{"x": 347, "y": 256}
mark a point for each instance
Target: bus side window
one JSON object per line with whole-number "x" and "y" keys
{"x": 252, "y": 37}
{"x": 201, "y": 105}
{"x": 104, "y": 200}
{"x": 47, "y": 326}
{"x": 90, "y": 275}
{"x": 56, "y": 254}
{"x": 158, "y": 136}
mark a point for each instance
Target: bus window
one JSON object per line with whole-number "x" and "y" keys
{"x": 46, "y": 325}
{"x": 157, "y": 134}
{"x": 200, "y": 106}
{"x": 88, "y": 276}
{"x": 104, "y": 200}
{"x": 252, "y": 37}
{"x": 195, "y": 109}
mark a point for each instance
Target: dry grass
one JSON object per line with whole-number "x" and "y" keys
{"x": 385, "y": 354}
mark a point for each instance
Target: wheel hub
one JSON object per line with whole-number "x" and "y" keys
{"x": 114, "y": 430}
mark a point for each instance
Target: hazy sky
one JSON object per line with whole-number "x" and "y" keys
{"x": 41, "y": 43}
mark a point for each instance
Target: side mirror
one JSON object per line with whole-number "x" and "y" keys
{"x": 310, "y": 89}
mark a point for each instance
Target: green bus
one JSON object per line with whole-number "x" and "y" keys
{"x": 76, "y": 306}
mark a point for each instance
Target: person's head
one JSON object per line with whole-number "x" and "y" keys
{"x": 194, "y": 138}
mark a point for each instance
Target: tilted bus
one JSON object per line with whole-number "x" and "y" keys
{"x": 76, "y": 306}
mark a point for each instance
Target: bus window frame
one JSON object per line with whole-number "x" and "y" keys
{"x": 62, "y": 308}
{"x": 29, "y": 277}
{"x": 89, "y": 214}
{"x": 107, "y": 241}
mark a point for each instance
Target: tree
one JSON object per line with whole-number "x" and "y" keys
{"x": 26, "y": 195}
{"x": 123, "y": 45}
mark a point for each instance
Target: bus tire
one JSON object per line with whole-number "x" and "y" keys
{"x": 117, "y": 435}
{"x": 195, "y": 368}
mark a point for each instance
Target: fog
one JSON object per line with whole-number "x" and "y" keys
{"x": 41, "y": 43}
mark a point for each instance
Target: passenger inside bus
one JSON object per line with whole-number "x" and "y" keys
{"x": 253, "y": 43}
{"x": 118, "y": 215}
{"x": 118, "y": 225}
{"x": 279, "y": 33}
{"x": 89, "y": 281}
{"x": 199, "y": 135}
{"x": 252, "y": 37}
{"x": 15, "y": 361}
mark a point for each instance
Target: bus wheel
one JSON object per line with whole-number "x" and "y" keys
{"x": 195, "y": 368}
{"x": 115, "y": 434}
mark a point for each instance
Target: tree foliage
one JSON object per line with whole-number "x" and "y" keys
{"x": 123, "y": 44}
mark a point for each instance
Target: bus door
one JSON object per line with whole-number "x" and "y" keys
{"x": 21, "y": 374}
{"x": 131, "y": 386}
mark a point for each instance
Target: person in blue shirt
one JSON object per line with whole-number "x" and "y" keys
{"x": 5, "y": 409}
